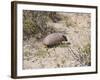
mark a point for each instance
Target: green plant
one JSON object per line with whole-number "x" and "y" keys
{"x": 85, "y": 54}
{"x": 87, "y": 49}
{"x": 35, "y": 22}
{"x": 41, "y": 52}
{"x": 63, "y": 45}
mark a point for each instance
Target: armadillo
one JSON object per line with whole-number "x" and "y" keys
{"x": 54, "y": 38}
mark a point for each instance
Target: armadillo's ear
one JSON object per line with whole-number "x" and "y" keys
{"x": 65, "y": 38}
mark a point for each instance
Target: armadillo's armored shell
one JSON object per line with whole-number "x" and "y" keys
{"x": 54, "y": 38}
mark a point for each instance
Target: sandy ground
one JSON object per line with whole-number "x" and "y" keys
{"x": 68, "y": 54}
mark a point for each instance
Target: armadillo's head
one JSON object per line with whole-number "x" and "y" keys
{"x": 65, "y": 38}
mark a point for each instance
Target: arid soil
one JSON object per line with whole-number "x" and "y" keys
{"x": 75, "y": 52}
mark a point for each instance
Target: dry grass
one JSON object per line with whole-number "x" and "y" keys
{"x": 76, "y": 52}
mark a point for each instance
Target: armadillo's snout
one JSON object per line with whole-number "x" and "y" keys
{"x": 65, "y": 38}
